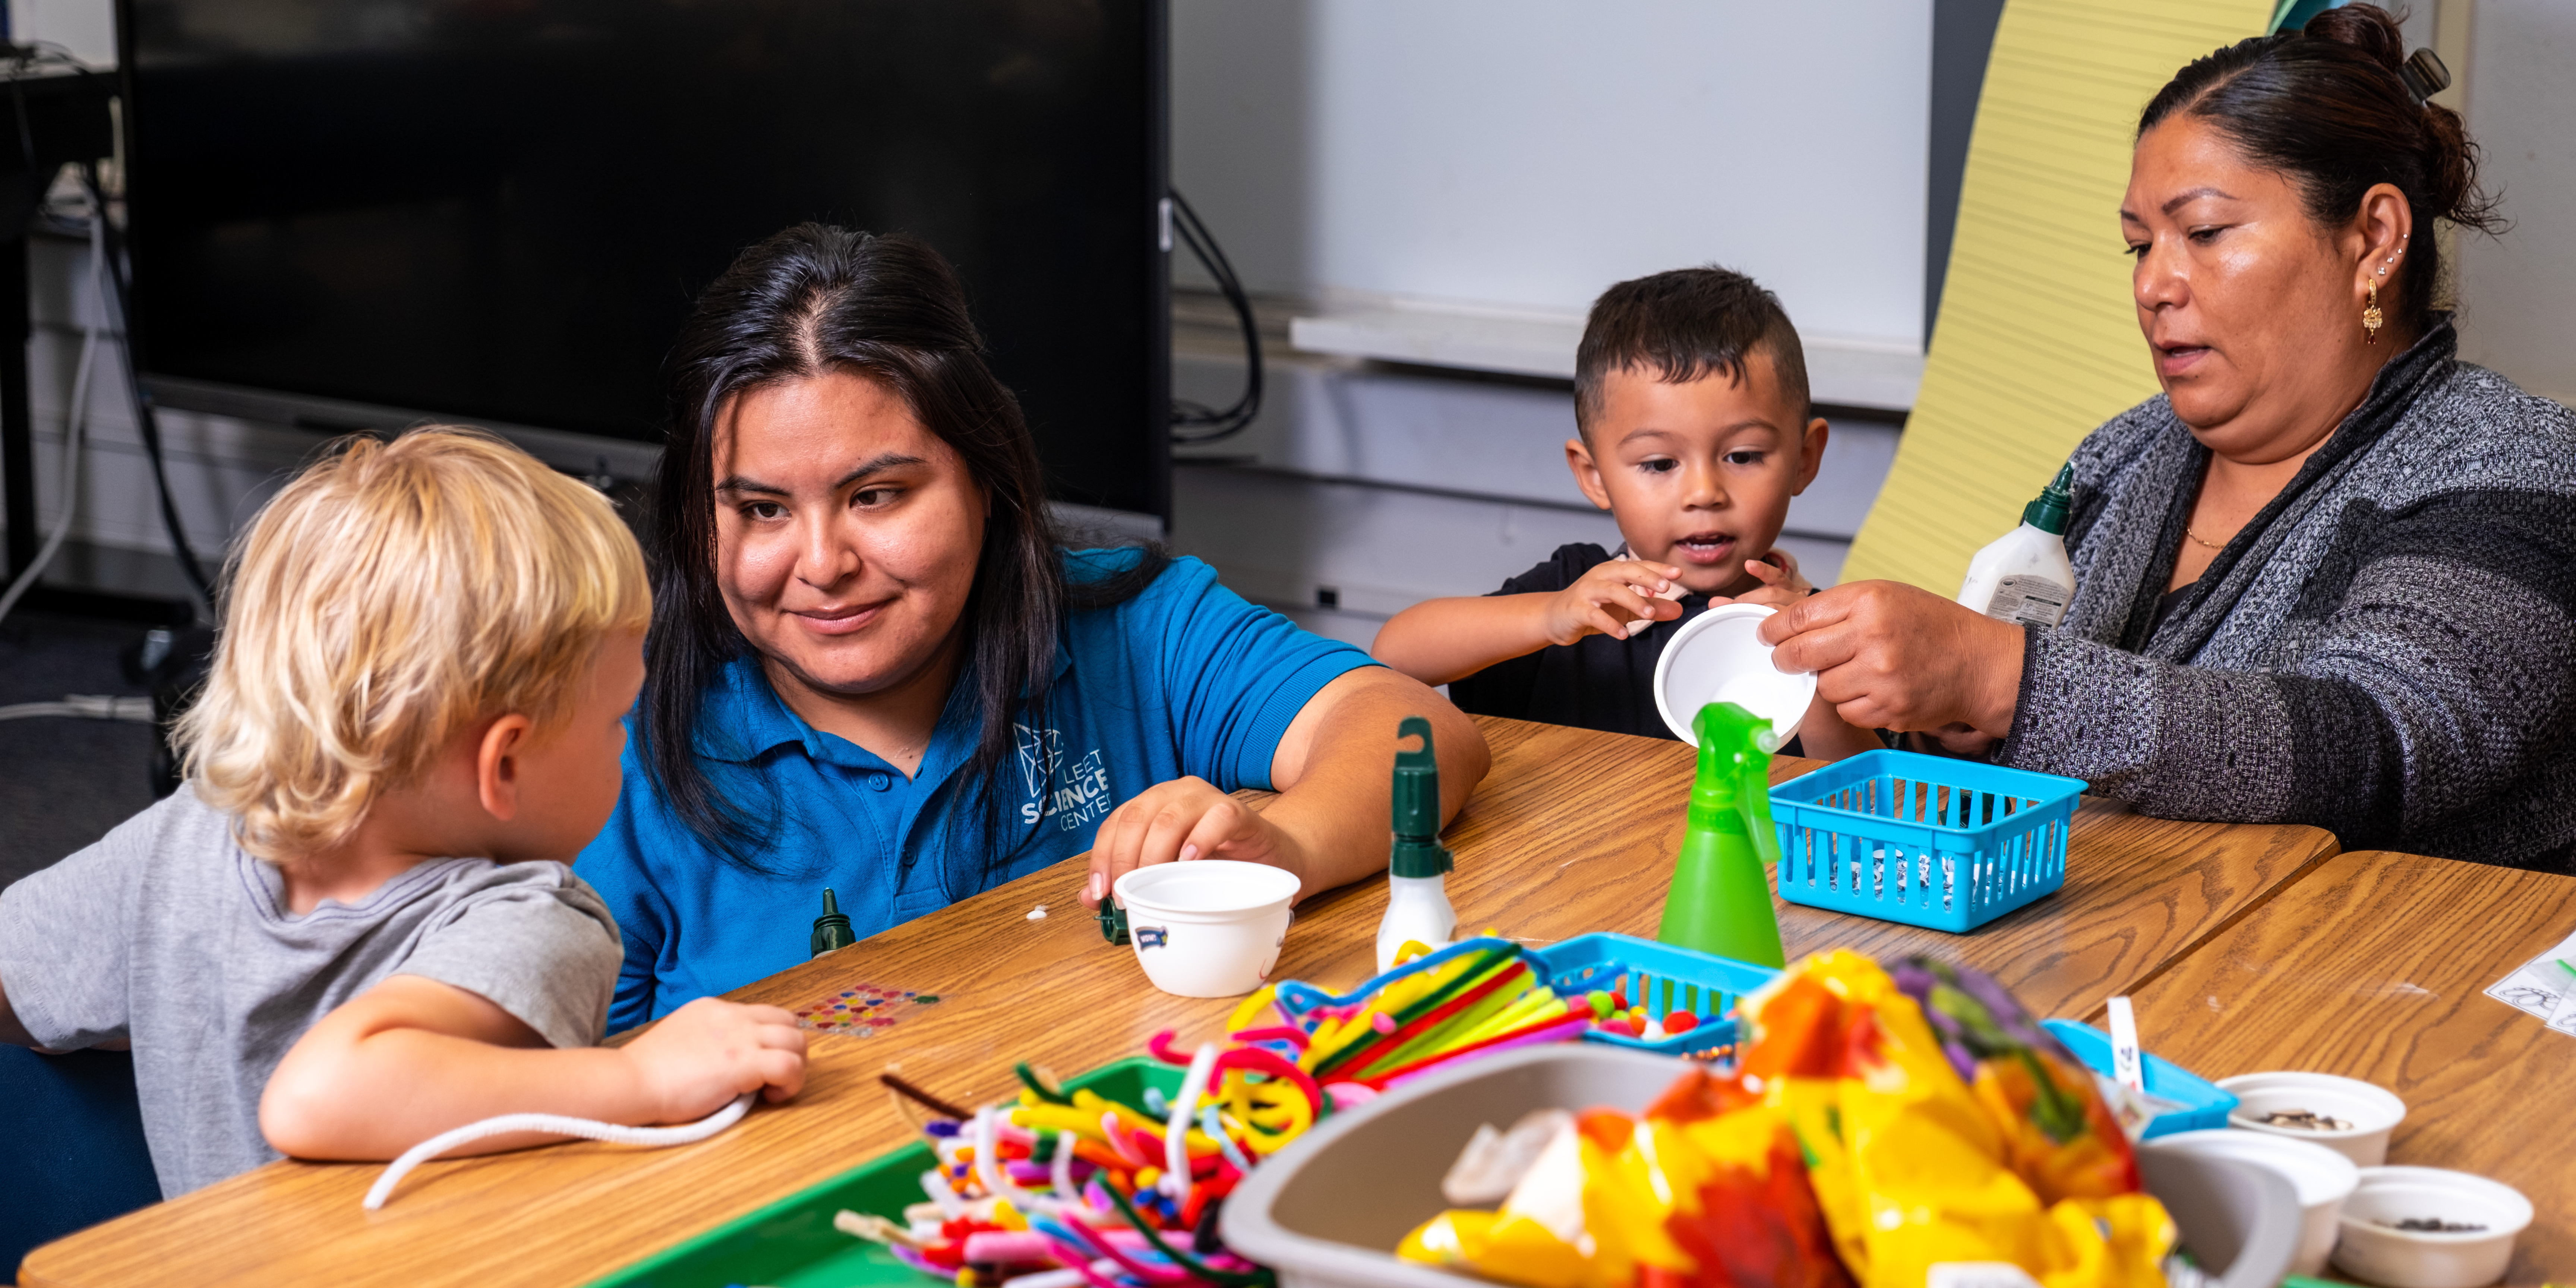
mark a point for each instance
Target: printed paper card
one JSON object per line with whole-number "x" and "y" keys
{"x": 2544, "y": 986}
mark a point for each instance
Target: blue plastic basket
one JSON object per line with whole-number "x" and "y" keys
{"x": 1942, "y": 844}
{"x": 1661, "y": 978}
{"x": 2204, "y": 1103}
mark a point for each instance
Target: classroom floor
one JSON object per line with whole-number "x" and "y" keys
{"x": 65, "y": 782}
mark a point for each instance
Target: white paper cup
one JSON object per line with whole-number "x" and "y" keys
{"x": 1716, "y": 657}
{"x": 2374, "y": 1251}
{"x": 2373, "y": 1111}
{"x": 1211, "y": 928}
{"x": 2323, "y": 1178}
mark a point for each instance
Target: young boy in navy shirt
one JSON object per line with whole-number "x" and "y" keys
{"x": 353, "y": 927}
{"x": 1694, "y": 430}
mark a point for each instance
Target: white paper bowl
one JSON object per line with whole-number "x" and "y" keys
{"x": 1715, "y": 657}
{"x": 2373, "y": 1111}
{"x": 1211, "y": 928}
{"x": 2323, "y": 1178}
{"x": 2396, "y": 1258}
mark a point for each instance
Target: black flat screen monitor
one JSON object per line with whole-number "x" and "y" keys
{"x": 501, "y": 209}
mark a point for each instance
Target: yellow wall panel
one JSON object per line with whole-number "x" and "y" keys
{"x": 2037, "y": 342}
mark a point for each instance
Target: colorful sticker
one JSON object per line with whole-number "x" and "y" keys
{"x": 1152, "y": 937}
{"x": 862, "y": 1010}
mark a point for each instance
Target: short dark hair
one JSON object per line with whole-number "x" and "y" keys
{"x": 2328, "y": 106}
{"x": 816, "y": 299}
{"x": 1682, "y": 325}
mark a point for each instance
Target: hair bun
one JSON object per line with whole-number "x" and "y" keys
{"x": 2365, "y": 27}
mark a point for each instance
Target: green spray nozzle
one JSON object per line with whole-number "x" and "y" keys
{"x": 1417, "y": 851}
{"x": 2047, "y": 511}
{"x": 832, "y": 929}
{"x": 1733, "y": 785}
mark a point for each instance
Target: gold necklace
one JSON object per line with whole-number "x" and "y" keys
{"x": 2214, "y": 545}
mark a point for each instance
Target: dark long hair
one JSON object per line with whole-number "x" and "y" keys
{"x": 2328, "y": 105}
{"x": 814, "y": 299}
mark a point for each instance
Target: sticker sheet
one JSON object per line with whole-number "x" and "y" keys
{"x": 2544, "y": 986}
{"x": 862, "y": 1010}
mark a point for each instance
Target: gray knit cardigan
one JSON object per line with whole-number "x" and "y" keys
{"x": 2386, "y": 651}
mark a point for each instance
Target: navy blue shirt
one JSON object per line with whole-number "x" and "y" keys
{"x": 1184, "y": 679}
{"x": 1604, "y": 682}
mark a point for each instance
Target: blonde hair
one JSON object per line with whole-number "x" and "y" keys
{"x": 389, "y": 596}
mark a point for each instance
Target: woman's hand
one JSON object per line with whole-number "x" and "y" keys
{"x": 1328, "y": 824}
{"x": 1892, "y": 656}
{"x": 1184, "y": 819}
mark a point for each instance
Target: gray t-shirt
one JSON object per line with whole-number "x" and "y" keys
{"x": 167, "y": 933}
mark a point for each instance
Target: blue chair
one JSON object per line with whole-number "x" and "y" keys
{"x": 71, "y": 1146}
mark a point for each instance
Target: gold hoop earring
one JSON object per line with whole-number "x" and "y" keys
{"x": 2370, "y": 318}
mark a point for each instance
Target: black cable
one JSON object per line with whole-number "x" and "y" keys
{"x": 145, "y": 421}
{"x": 1213, "y": 424}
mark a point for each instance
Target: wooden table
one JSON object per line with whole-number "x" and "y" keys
{"x": 1571, "y": 832}
{"x": 2375, "y": 967}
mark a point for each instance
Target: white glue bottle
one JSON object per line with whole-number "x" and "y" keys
{"x": 2024, "y": 576}
{"x": 1417, "y": 894}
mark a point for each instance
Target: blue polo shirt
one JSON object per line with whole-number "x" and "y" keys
{"x": 1184, "y": 679}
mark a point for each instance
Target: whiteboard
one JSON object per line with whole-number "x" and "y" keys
{"x": 1525, "y": 154}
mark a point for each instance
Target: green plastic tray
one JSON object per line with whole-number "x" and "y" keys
{"x": 791, "y": 1243}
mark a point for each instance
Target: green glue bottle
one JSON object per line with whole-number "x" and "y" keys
{"x": 1417, "y": 888}
{"x": 1720, "y": 902}
{"x": 832, "y": 929}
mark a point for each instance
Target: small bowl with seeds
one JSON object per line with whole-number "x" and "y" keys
{"x": 2425, "y": 1227}
{"x": 2349, "y": 1116}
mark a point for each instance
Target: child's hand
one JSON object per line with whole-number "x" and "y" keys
{"x": 1619, "y": 598}
{"x": 1782, "y": 584}
{"x": 1962, "y": 740}
{"x": 709, "y": 1051}
{"x": 1823, "y": 734}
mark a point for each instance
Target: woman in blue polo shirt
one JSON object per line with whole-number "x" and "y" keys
{"x": 874, "y": 667}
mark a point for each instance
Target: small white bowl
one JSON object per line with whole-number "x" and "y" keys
{"x": 1716, "y": 657}
{"x": 2383, "y": 1254}
{"x": 1210, "y": 928}
{"x": 2372, "y": 1110}
{"x": 2323, "y": 1178}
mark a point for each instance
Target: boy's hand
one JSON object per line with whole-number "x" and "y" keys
{"x": 710, "y": 1051}
{"x": 1621, "y": 598}
{"x": 1782, "y": 584}
{"x": 1962, "y": 740}
{"x": 1823, "y": 734}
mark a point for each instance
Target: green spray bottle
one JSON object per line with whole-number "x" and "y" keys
{"x": 1720, "y": 901}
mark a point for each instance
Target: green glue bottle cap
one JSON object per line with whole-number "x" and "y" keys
{"x": 832, "y": 929}
{"x": 1417, "y": 851}
{"x": 2047, "y": 511}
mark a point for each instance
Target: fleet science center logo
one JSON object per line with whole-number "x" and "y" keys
{"x": 1073, "y": 799}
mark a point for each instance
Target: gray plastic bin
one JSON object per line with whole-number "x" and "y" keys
{"x": 1328, "y": 1211}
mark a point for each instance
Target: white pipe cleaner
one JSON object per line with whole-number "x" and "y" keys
{"x": 554, "y": 1125}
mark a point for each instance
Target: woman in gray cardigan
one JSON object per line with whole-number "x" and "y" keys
{"x": 2329, "y": 576}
